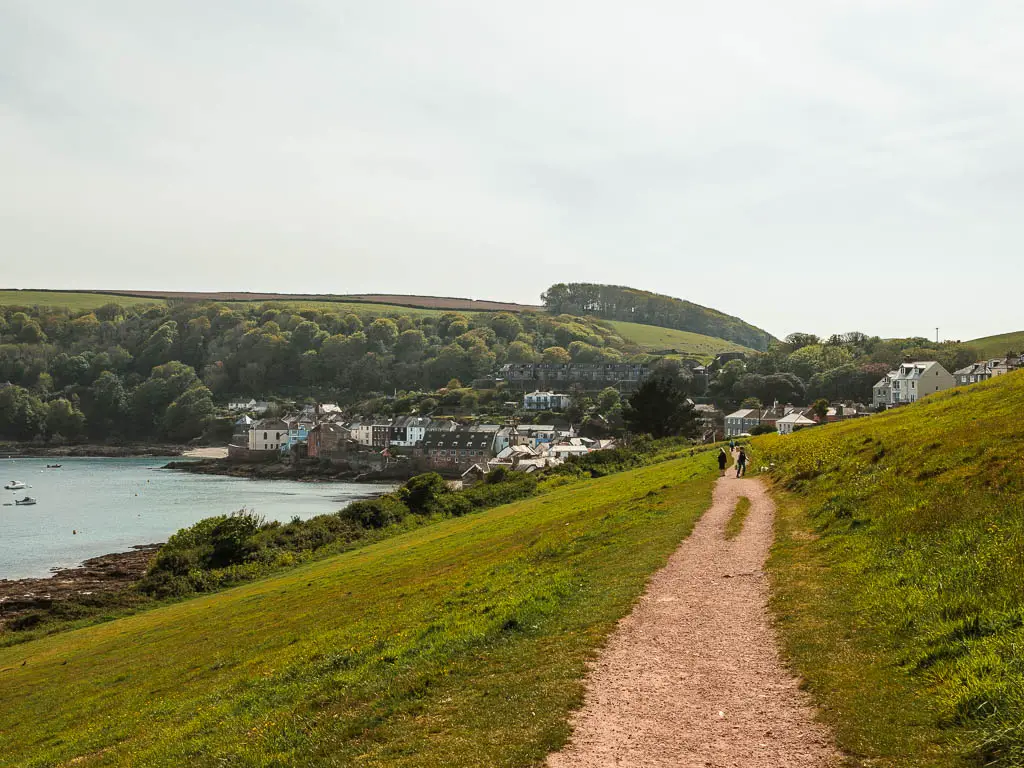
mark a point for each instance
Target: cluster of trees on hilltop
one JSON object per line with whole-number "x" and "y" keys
{"x": 804, "y": 368}
{"x": 616, "y": 302}
{"x": 154, "y": 371}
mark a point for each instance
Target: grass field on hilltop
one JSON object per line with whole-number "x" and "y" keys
{"x": 897, "y": 574}
{"x": 356, "y": 308}
{"x": 462, "y": 643}
{"x": 997, "y": 346}
{"x": 655, "y": 339}
{"x": 73, "y": 300}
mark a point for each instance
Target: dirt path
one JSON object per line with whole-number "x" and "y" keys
{"x": 692, "y": 677}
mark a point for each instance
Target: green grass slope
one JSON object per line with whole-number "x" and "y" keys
{"x": 656, "y": 339}
{"x": 997, "y": 346}
{"x": 898, "y": 572}
{"x": 462, "y": 643}
{"x": 74, "y": 300}
{"x": 370, "y": 303}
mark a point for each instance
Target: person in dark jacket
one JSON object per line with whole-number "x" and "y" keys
{"x": 723, "y": 459}
{"x": 741, "y": 463}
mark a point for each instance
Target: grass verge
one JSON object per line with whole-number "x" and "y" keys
{"x": 461, "y": 643}
{"x": 896, "y": 577}
{"x": 739, "y": 516}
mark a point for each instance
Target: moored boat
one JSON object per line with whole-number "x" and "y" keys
{"x": 26, "y": 502}
{"x": 14, "y": 485}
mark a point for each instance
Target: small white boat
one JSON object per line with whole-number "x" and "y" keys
{"x": 14, "y": 485}
{"x": 26, "y": 502}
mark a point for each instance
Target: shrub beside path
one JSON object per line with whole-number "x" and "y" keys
{"x": 693, "y": 676}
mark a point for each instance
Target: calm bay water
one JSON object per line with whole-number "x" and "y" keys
{"x": 114, "y": 504}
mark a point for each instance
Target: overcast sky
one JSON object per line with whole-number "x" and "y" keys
{"x": 806, "y": 165}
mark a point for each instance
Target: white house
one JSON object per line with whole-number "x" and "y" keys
{"x": 409, "y": 430}
{"x": 362, "y": 432}
{"x": 791, "y": 421}
{"x": 910, "y": 383}
{"x": 568, "y": 449}
{"x": 545, "y": 401}
{"x": 268, "y": 435}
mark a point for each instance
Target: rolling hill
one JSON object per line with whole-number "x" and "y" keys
{"x": 650, "y": 338}
{"x": 996, "y": 346}
{"x": 897, "y": 574}
{"x": 379, "y": 303}
{"x": 462, "y": 643}
{"x": 619, "y": 302}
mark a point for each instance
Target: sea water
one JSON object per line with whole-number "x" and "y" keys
{"x": 92, "y": 507}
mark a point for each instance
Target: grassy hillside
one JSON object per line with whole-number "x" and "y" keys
{"x": 619, "y": 302}
{"x": 898, "y": 571}
{"x": 459, "y": 644}
{"x": 74, "y": 300}
{"x": 996, "y": 346}
{"x": 375, "y": 303}
{"x": 655, "y": 339}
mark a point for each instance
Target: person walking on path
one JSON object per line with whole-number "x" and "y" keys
{"x": 741, "y": 463}
{"x": 723, "y": 459}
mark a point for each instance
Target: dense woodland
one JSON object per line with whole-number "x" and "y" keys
{"x": 154, "y": 372}
{"x": 616, "y": 302}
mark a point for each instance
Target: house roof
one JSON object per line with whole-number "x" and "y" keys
{"x": 743, "y": 413}
{"x": 460, "y": 439}
{"x": 796, "y": 418}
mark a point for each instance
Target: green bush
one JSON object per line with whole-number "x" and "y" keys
{"x": 375, "y": 513}
{"x": 423, "y": 493}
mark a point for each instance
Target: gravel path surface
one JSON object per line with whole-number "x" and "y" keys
{"x": 692, "y": 677}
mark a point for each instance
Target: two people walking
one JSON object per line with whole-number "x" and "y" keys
{"x": 741, "y": 462}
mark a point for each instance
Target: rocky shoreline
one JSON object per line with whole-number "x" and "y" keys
{"x": 95, "y": 579}
{"x": 306, "y": 471}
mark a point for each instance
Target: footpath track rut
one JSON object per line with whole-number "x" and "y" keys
{"x": 693, "y": 676}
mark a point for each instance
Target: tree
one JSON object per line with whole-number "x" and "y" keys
{"x": 22, "y": 414}
{"x": 796, "y": 341}
{"x": 63, "y": 418}
{"x": 506, "y": 325}
{"x": 151, "y": 399}
{"x": 608, "y": 399}
{"x": 556, "y": 355}
{"x": 31, "y": 333}
{"x": 107, "y": 405}
{"x": 751, "y": 402}
{"x": 410, "y": 345}
{"x": 159, "y": 346}
{"x": 520, "y": 352}
{"x": 188, "y": 416}
{"x": 580, "y": 406}
{"x": 820, "y": 408}
{"x": 382, "y": 334}
{"x": 661, "y": 408}
{"x": 731, "y": 372}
